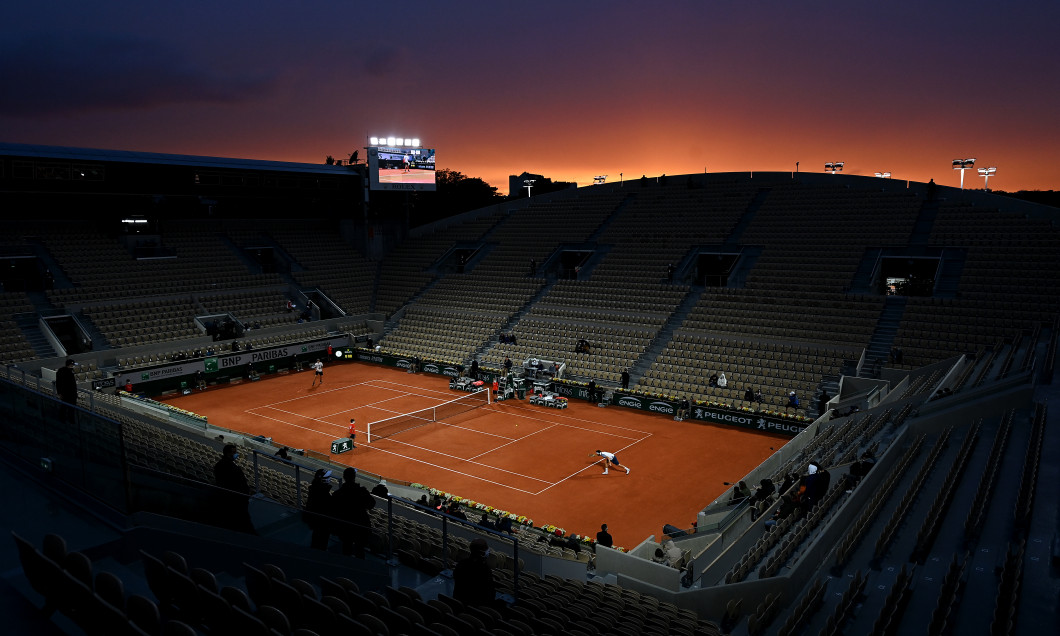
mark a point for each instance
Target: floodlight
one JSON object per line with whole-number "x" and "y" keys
{"x": 391, "y": 141}
{"x": 408, "y": 142}
{"x": 415, "y": 142}
{"x": 985, "y": 174}
{"x": 962, "y": 165}
{"x": 883, "y": 175}
{"x": 373, "y": 141}
{"x": 834, "y": 166}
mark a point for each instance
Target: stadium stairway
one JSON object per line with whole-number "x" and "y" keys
{"x": 925, "y": 220}
{"x": 862, "y": 282}
{"x": 595, "y": 236}
{"x": 241, "y": 254}
{"x": 886, "y": 328}
{"x": 541, "y": 293}
{"x": 748, "y": 215}
{"x": 59, "y": 279}
{"x": 666, "y": 333}
{"x": 953, "y": 259}
{"x": 28, "y": 323}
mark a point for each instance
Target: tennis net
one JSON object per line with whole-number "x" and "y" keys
{"x": 406, "y": 421}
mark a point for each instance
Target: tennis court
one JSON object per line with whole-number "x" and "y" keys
{"x": 511, "y": 455}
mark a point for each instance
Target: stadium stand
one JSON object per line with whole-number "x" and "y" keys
{"x": 803, "y": 308}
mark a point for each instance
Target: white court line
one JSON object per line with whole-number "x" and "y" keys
{"x": 315, "y": 393}
{"x": 446, "y": 468}
{"x": 576, "y": 473}
{"x": 312, "y": 419}
{"x": 503, "y": 470}
{"x": 578, "y": 419}
{"x": 517, "y": 439}
{"x": 305, "y": 428}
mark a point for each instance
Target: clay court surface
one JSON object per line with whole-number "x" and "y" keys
{"x": 526, "y": 459}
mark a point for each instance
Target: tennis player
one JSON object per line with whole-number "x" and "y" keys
{"x": 318, "y": 373}
{"x": 610, "y": 460}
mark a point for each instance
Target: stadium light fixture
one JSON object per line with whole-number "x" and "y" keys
{"x": 985, "y": 174}
{"x": 883, "y": 175}
{"x": 834, "y": 166}
{"x": 599, "y": 179}
{"x": 415, "y": 142}
{"x": 374, "y": 141}
{"x": 962, "y": 165}
{"x": 391, "y": 141}
{"x": 529, "y": 184}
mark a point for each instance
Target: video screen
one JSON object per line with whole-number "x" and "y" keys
{"x": 401, "y": 168}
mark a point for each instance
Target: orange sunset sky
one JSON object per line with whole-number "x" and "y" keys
{"x": 567, "y": 90}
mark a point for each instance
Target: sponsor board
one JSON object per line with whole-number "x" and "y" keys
{"x": 754, "y": 421}
{"x": 164, "y": 376}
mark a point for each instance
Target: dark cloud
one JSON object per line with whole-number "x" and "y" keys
{"x": 59, "y": 75}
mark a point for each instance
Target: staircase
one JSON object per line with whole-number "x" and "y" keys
{"x": 29, "y": 324}
{"x": 516, "y": 317}
{"x": 666, "y": 333}
{"x": 883, "y": 336}
{"x": 925, "y": 220}
{"x": 950, "y": 272}
{"x": 746, "y": 218}
{"x": 862, "y": 282}
{"x": 595, "y": 236}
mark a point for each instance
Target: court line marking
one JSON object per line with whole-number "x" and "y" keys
{"x": 575, "y": 474}
{"x": 305, "y": 428}
{"x": 530, "y": 414}
{"x": 430, "y": 450}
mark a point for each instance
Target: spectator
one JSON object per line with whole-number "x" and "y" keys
{"x": 793, "y": 401}
{"x": 673, "y": 553}
{"x": 722, "y": 381}
{"x": 351, "y": 503}
{"x": 454, "y": 510}
{"x": 283, "y": 454}
{"x": 474, "y": 369}
{"x": 787, "y": 506}
{"x": 318, "y": 509}
{"x": 592, "y": 390}
{"x": 759, "y": 398}
{"x": 861, "y": 467}
{"x": 473, "y": 578}
{"x": 485, "y": 522}
{"x": 424, "y": 502}
{"x": 381, "y": 490}
{"x": 604, "y": 537}
{"x": 66, "y": 382}
{"x": 504, "y": 524}
{"x": 762, "y": 497}
{"x": 507, "y": 365}
{"x": 822, "y": 402}
{"x": 233, "y": 497}
{"x": 713, "y": 380}
{"x": 749, "y": 396}
{"x": 683, "y": 409}
{"x": 740, "y": 492}
{"x": 659, "y": 556}
{"x": 789, "y": 481}
{"x": 625, "y": 379}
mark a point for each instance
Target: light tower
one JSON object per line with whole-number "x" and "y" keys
{"x": 529, "y": 184}
{"x": 962, "y": 165}
{"x": 883, "y": 175}
{"x": 834, "y": 166}
{"x": 599, "y": 179}
{"x": 985, "y": 174}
